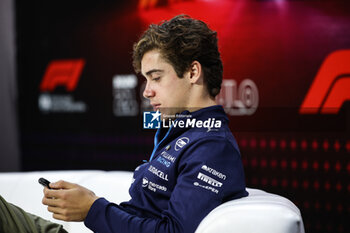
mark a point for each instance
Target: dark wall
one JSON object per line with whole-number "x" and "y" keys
{"x": 9, "y": 150}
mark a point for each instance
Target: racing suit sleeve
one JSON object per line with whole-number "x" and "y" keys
{"x": 210, "y": 172}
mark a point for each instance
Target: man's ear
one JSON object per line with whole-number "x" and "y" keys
{"x": 195, "y": 73}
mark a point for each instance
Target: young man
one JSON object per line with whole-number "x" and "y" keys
{"x": 195, "y": 165}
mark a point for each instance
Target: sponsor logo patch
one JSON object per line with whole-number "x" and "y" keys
{"x": 168, "y": 156}
{"x": 181, "y": 142}
{"x": 163, "y": 161}
{"x": 209, "y": 180}
{"x": 206, "y": 187}
{"x": 144, "y": 182}
{"x": 152, "y": 186}
{"x": 166, "y": 159}
{"x": 158, "y": 173}
{"x": 214, "y": 172}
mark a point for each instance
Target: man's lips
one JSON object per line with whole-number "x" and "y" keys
{"x": 155, "y": 106}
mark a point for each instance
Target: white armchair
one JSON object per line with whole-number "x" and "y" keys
{"x": 260, "y": 212}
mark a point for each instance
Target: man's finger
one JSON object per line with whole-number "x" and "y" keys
{"x": 62, "y": 185}
{"x": 56, "y": 210}
{"x": 51, "y": 193}
{"x": 51, "y": 202}
{"x": 60, "y": 217}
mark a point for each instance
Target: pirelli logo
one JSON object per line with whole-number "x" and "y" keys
{"x": 209, "y": 180}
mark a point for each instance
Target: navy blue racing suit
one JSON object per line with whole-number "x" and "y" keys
{"x": 195, "y": 166}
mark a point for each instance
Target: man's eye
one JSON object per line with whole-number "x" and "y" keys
{"x": 156, "y": 79}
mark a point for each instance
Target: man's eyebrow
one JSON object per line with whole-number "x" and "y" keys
{"x": 153, "y": 71}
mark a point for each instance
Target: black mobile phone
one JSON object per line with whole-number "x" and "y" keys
{"x": 44, "y": 182}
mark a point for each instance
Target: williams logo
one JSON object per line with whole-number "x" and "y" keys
{"x": 151, "y": 120}
{"x": 181, "y": 143}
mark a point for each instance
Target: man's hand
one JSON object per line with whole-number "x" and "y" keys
{"x": 68, "y": 201}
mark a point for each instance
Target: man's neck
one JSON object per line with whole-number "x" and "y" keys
{"x": 203, "y": 103}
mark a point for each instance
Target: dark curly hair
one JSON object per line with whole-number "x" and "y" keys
{"x": 181, "y": 41}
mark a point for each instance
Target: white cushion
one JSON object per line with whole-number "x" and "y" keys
{"x": 260, "y": 212}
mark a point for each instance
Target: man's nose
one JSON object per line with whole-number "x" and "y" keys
{"x": 148, "y": 92}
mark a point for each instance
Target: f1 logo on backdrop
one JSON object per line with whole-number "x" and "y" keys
{"x": 62, "y": 73}
{"x": 65, "y": 73}
{"x": 331, "y": 87}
